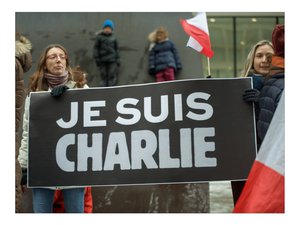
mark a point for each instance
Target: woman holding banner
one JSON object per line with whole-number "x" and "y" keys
{"x": 257, "y": 66}
{"x": 53, "y": 74}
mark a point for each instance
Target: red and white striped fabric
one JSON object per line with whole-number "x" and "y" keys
{"x": 197, "y": 29}
{"x": 264, "y": 189}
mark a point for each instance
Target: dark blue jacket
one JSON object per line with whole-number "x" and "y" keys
{"x": 258, "y": 81}
{"x": 163, "y": 55}
{"x": 269, "y": 98}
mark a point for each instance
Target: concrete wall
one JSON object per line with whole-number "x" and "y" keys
{"x": 76, "y": 32}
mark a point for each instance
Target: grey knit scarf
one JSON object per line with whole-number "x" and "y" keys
{"x": 56, "y": 80}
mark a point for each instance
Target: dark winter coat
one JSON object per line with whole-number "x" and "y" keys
{"x": 106, "y": 49}
{"x": 163, "y": 55}
{"x": 23, "y": 62}
{"x": 257, "y": 80}
{"x": 269, "y": 98}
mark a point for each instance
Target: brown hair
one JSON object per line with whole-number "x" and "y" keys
{"x": 37, "y": 81}
{"x": 79, "y": 76}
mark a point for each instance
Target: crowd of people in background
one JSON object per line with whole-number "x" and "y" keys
{"x": 265, "y": 64}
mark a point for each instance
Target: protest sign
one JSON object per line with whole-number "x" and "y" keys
{"x": 172, "y": 132}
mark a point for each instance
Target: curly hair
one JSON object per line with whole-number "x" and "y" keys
{"x": 79, "y": 76}
{"x": 162, "y": 30}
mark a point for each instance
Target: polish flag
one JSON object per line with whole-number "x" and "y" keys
{"x": 197, "y": 29}
{"x": 264, "y": 189}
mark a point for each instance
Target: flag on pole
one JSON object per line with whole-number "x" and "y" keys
{"x": 264, "y": 189}
{"x": 197, "y": 29}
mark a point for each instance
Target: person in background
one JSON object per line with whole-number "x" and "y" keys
{"x": 53, "y": 74}
{"x": 257, "y": 66}
{"x": 106, "y": 54}
{"x": 23, "y": 62}
{"x": 79, "y": 76}
{"x": 164, "y": 60}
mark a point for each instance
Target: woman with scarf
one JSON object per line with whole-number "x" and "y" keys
{"x": 53, "y": 74}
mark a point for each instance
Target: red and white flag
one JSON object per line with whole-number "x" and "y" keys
{"x": 264, "y": 189}
{"x": 197, "y": 29}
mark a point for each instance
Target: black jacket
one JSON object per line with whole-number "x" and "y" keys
{"x": 162, "y": 56}
{"x": 269, "y": 98}
{"x": 106, "y": 49}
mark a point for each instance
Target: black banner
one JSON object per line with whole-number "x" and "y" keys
{"x": 182, "y": 131}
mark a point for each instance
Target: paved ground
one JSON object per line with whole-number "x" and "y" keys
{"x": 220, "y": 197}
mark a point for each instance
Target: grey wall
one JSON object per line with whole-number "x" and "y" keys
{"x": 76, "y": 32}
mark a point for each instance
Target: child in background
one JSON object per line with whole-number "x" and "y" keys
{"x": 106, "y": 54}
{"x": 164, "y": 60}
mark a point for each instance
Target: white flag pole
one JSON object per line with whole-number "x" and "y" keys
{"x": 208, "y": 66}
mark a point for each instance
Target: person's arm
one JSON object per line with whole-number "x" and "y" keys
{"x": 117, "y": 53}
{"x": 151, "y": 68}
{"x": 176, "y": 57}
{"x": 96, "y": 51}
{"x": 23, "y": 151}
